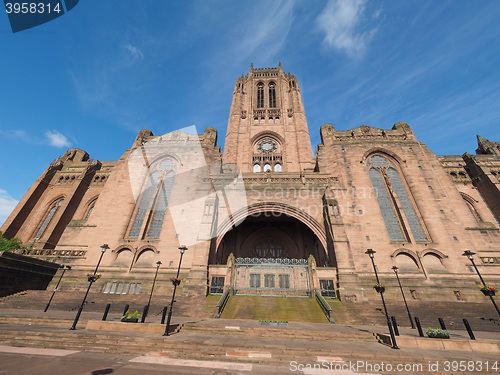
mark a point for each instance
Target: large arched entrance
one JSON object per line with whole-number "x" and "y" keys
{"x": 271, "y": 251}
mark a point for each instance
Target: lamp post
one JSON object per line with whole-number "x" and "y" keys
{"x": 469, "y": 254}
{"x": 371, "y": 254}
{"x": 158, "y": 264}
{"x": 176, "y": 282}
{"x": 54, "y": 292}
{"x": 404, "y": 299}
{"x": 91, "y": 281}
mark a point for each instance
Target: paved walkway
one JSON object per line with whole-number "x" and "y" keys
{"x": 367, "y": 357}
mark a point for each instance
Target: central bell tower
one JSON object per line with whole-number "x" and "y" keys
{"x": 267, "y": 127}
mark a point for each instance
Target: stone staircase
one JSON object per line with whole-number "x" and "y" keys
{"x": 96, "y": 302}
{"x": 274, "y": 308}
{"x": 194, "y": 341}
{"x": 481, "y": 316}
{"x": 215, "y": 340}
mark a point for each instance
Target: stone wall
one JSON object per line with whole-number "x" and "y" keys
{"x": 18, "y": 273}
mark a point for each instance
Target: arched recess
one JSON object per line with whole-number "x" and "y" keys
{"x": 124, "y": 256}
{"x": 432, "y": 260}
{"x": 276, "y": 208}
{"x": 89, "y": 207}
{"x": 268, "y": 152}
{"x": 407, "y": 261}
{"x": 146, "y": 257}
{"x": 295, "y": 231}
{"x": 471, "y": 205}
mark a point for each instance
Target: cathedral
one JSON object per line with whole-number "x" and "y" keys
{"x": 267, "y": 215}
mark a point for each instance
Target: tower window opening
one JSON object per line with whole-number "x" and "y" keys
{"x": 260, "y": 95}
{"x": 272, "y": 95}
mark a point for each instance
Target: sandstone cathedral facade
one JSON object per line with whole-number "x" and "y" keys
{"x": 267, "y": 216}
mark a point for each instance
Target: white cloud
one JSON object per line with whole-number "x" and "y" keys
{"x": 341, "y": 21}
{"x": 135, "y": 52}
{"x": 56, "y": 139}
{"x": 7, "y": 205}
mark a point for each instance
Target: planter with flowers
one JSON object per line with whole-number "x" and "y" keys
{"x": 92, "y": 277}
{"x": 437, "y": 333}
{"x": 127, "y": 318}
{"x": 379, "y": 288}
{"x": 175, "y": 281}
{"x": 488, "y": 290}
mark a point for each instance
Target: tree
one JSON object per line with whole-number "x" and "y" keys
{"x": 10, "y": 244}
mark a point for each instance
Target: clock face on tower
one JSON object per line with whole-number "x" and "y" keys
{"x": 267, "y": 146}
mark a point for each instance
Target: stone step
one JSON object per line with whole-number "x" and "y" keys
{"x": 173, "y": 349}
{"x": 282, "y": 333}
{"x": 262, "y": 355}
{"x": 186, "y": 305}
{"x": 481, "y": 316}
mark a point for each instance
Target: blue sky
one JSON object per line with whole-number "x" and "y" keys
{"x": 95, "y": 77}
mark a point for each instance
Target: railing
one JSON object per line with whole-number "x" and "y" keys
{"x": 222, "y": 302}
{"x": 324, "y": 306}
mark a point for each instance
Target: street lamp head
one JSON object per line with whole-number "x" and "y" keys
{"x": 104, "y": 248}
{"x": 68, "y": 267}
{"x": 395, "y": 269}
{"x": 468, "y": 254}
{"x": 158, "y": 264}
{"x": 183, "y": 248}
{"x": 370, "y": 253}
{"x": 61, "y": 266}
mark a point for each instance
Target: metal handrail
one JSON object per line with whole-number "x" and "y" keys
{"x": 324, "y": 306}
{"x": 222, "y": 302}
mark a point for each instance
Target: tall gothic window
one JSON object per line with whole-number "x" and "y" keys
{"x": 272, "y": 95}
{"x": 397, "y": 209}
{"x": 89, "y": 212}
{"x": 260, "y": 95}
{"x": 154, "y": 201}
{"x": 49, "y": 216}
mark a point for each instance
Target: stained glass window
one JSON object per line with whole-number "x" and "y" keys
{"x": 161, "y": 206}
{"x": 406, "y": 205}
{"x": 145, "y": 204}
{"x": 48, "y": 218}
{"x": 390, "y": 190}
{"x": 391, "y": 222}
{"x": 155, "y": 200}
